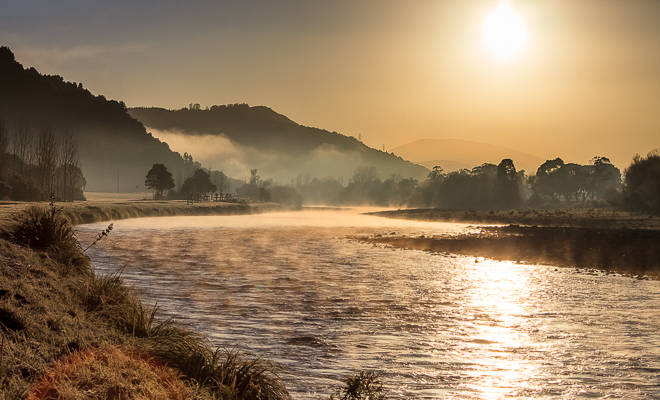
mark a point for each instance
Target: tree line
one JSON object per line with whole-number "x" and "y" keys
{"x": 204, "y": 183}
{"x": 38, "y": 161}
{"x": 487, "y": 186}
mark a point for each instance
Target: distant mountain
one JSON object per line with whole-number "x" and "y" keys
{"x": 115, "y": 149}
{"x": 454, "y": 154}
{"x": 258, "y": 137}
{"x": 447, "y": 165}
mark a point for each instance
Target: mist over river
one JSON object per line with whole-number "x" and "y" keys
{"x": 293, "y": 288}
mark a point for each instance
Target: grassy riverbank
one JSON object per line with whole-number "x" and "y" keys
{"x": 113, "y": 209}
{"x": 607, "y": 240}
{"x": 68, "y": 333}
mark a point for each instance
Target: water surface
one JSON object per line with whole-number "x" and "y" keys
{"x": 292, "y": 287}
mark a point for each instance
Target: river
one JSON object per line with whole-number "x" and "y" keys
{"x": 293, "y": 288}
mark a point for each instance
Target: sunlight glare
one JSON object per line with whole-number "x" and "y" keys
{"x": 504, "y": 32}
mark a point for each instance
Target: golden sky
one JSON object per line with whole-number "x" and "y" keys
{"x": 585, "y": 83}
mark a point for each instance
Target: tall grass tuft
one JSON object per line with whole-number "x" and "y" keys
{"x": 362, "y": 386}
{"x": 106, "y": 295}
{"x": 50, "y": 231}
{"x": 227, "y": 373}
{"x": 44, "y": 229}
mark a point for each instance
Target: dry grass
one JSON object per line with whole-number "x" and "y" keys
{"x": 110, "y": 372}
{"x": 42, "y": 317}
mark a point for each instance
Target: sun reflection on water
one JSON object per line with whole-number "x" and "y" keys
{"x": 500, "y": 329}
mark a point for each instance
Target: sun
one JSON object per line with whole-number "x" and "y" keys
{"x": 504, "y": 32}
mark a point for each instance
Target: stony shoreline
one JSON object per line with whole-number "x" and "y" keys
{"x": 575, "y": 217}
{"x": 610, "y": 241}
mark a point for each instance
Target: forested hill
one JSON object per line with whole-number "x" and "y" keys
{"x": 115, "y": 149}
{"x": 277, "y": 145}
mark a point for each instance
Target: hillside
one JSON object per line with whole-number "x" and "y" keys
{"x": 115, "y": 149}
{"x": 258, "y": 137}
{"x": 453, "y": 154}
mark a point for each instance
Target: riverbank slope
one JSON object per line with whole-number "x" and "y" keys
{"x": 69, "y": 333}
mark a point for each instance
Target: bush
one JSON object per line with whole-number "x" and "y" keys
{"x": 363, "y": 386}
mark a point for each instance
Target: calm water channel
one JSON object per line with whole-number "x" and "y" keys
{"x": 293, "y": 288}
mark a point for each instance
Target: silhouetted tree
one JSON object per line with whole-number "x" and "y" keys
{"x": 325, "y": 191}
{"x": 364, "y": 175}
{"x": 47, "y": 158}
{"x": 159, "y": 179}
{"x": 432, "y": 187}
{"x": 25, "y": 190}
{"x": 286, "y": 195}
{"x": 4, "y": 147}
{"x": 198, "y": 184}
{"x": 187, "y": 169}
{"x": 70, "y": 162}
{"x": 221, "y": 181}
{"x": 76, "y": 181}
{"x": 436, "y": 173}
{"x": 23, "y": 145}
{"x": 264, "y": 195}
{"x": 254, "y": 178}
{"x": 364, "y": 188}
{"x": 5, "y": 190}
{"x": 574, "y": 182}
{"x": 463, "y": 189}
{"x": 605, "y": 177}
{"x": 546, "y": 183}
{"x": 506, "y": 185}
{"x": 642, "y": 183}
{"x": 406, "y": 191}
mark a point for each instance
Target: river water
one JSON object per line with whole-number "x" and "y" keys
{"x": 293, "y": 288}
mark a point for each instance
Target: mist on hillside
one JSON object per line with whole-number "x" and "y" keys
{"x": 218, "y": 152}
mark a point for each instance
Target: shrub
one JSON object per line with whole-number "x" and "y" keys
{"x": 363, "y": 386}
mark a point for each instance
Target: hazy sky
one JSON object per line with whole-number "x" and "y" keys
{"x": 586, "y": 83}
